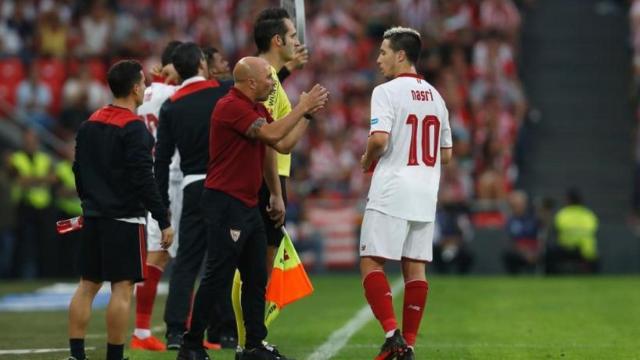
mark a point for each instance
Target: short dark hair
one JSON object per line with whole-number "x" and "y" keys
{"x": 405, "y": 39}
{"x": 167, "y": 53}
{"x": 208, "y": 52}
{"x": 186, "y": 59}
{"x": 574, "y": 196}
{"x": 270, "y": 22}
{"x": 122, "y": 76}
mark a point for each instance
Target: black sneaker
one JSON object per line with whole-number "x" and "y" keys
{"x": 263, "y": 352}
{"x": 393, "y": 347}
{"x": 186, "y": 353}
{"x": 408, "y": 354}
{"x": 228, "y": 342}
{"x": 174, "y": 340}
{"x": 238, "y": 353}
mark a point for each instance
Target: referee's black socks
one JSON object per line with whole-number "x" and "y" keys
{"x": 115, "y": 352}
{"x": 77, "y": 348}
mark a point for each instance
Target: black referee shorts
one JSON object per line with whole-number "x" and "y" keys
{"x": 112, "y": 250}
{"x": 274, "y": 235}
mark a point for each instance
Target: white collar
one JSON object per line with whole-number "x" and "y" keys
{"x": 192, "y": 80}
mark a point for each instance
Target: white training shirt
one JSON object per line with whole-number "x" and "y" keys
{"x": 154, "y": 96}
{"x": 407, "y": 177}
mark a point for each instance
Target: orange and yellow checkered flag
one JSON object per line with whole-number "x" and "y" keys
{"x": 288, "y": 282}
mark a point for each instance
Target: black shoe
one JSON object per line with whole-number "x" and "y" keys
{"x": 238, "y": 353}
{"x": 186, "y": 353}
{"x": 228, "y": 342}
{"x": 263, "y": 352}
{"x": 407, "y": 355}
{"x": 174, "y": 340}
{"x": 393, "y": 347}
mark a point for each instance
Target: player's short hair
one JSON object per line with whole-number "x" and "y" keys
{"x": 407, "y": 39}
{"x": 186, "y": 59}
{"x": 208, "y": 52}
{"x": 167, "y": 53}
{"x": 122, "y": 76}
{"x": 270, "y": 22}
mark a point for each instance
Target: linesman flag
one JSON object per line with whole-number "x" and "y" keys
{"x": 289, "y": 281}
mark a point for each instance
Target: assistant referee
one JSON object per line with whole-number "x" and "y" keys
{"x": 114, "y": 179}
{"x": 240, "y": 128}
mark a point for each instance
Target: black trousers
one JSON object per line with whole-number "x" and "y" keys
{"x": 186, "y": 267}
{"x": 35, "y": 248}
{"x": 236, "y": 239}
{"x": 188, "y": 261}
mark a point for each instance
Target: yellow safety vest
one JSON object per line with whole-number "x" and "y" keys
{"x": 39, "y": 166}
{"x": 279, "y": 106}
{"x": 576, "y": 226}
{"x": 70, "y": 204}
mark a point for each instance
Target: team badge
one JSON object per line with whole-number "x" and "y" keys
{"x": 235, "y": 234}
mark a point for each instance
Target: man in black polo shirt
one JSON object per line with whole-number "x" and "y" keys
{"x": 240, "y": 128}
{"x": 114, "y": 179}
{"x": 184, "y": 124}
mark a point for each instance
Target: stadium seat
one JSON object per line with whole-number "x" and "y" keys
{"x": 98, "y": 70}
{"x": 488, "y": 219}
{"x": 12, "y": 73}
{"x": 96, "y": 67}
{"x": 53, "y": 73}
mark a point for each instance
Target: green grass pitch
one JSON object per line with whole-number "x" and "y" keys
{"x": 466, "y": 318}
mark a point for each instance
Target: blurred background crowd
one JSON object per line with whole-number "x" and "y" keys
{"x": 54, "y": 55}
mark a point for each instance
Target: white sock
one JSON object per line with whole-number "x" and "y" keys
{"x": 142, "y": 333}
{"x": 390, "y": 333}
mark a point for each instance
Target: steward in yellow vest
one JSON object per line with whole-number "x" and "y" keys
{"x": 33, "y": 176}
{"x": 68, "y": 205}
{"x": 576, "y": 244}
{"x": 67, "y": 199}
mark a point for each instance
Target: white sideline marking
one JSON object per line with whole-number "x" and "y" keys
{"x": 339, "y": 338}
{"x": 36, "y": 351}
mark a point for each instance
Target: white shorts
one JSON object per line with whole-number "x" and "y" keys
{"x": 154, "y": 234}
{"x": 393, "y": 238}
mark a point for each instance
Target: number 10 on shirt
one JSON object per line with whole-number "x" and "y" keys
{"x": 430, "y": 140}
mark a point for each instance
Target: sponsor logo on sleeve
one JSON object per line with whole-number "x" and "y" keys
{"x": 374, "y": 121}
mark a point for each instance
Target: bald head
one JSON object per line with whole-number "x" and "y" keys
{"x": 249, "y": 67}
{"x": 252, "y": 76}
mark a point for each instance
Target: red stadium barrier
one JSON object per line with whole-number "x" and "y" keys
{"x": 338, "y": 222}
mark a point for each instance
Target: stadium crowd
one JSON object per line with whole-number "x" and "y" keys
{"x": 54, "y": 55}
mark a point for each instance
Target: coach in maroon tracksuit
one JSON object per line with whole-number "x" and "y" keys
{"x": 238, "y": 160}
{"x": 115, "y": 183}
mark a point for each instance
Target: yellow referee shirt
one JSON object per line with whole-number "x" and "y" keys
{"x": 279, "y": 106}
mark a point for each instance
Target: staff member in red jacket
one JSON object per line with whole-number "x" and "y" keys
{"x": 238, "y": 159}
{"x": 114, "y": 179}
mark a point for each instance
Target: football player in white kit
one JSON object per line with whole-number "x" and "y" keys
{"x": 409, "y": 138}
{"x": 157, "y": 258}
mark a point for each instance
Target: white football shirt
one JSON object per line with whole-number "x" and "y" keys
{"x": 407, "y": 177}
{"x": 154, "y": 96}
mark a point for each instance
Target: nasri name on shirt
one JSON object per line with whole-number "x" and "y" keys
{"x": 422, "y": 95}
